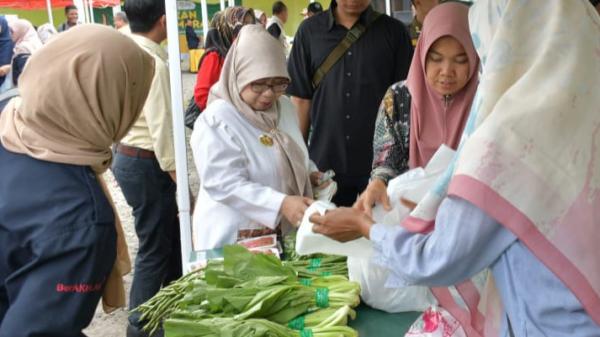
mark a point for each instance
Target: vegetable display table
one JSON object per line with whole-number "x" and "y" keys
{"x": 375, "y": 323}
{"x": 369, "y": 322}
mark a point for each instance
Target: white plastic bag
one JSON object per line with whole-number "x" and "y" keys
{"x": 412, "y": 185}
{"x": 436, "y": 322}
{"x": 308, "y": 242}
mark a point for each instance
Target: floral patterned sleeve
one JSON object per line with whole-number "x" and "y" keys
{"x": 391, "y": 139}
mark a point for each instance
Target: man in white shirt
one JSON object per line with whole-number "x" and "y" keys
{"x": 276, "y": 22}
{"x": 122, "y": 23}
{"x": 144, "y": 167}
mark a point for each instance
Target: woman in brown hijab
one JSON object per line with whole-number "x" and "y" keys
{"x": 79, "y": 94}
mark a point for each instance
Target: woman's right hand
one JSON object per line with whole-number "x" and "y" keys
{"x": 376, "y": 193}
{"x": 293, "y": 208}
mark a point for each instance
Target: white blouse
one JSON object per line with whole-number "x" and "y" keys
{"x": 240, "y": 184}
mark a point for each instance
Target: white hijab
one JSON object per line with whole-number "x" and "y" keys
{"x": 256, "y": 55}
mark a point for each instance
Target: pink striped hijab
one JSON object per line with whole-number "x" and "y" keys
{"x": 432, "y": 123}
{"x": 530, "y": 153}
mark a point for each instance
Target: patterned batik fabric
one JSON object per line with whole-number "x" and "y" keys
{"x": 391, "y": 139}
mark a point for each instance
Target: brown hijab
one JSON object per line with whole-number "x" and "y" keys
{"x": 255, "y": 55}
{"x": 79, "y": 95}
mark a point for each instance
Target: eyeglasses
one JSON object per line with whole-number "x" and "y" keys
{"x": 260, "y": 88}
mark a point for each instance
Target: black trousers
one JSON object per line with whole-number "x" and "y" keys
{"x": 152, "y": 194}
{"x": 349, "y": 188}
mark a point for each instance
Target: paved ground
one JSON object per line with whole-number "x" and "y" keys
{"x": 114, "y": 324}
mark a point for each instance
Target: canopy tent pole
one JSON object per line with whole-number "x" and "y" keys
{"x": 49, "y": 8}
{"x": 117, "y": 9}
{"x": 204, "y": 8}
{"x": 231, "y": 3}
{"x": 91, "y": 10}
{"x": 388, "y": 7}
{"x": 82, "y": 8}
{"x": 183, "y": 196}
{"x": 222, "y": 4}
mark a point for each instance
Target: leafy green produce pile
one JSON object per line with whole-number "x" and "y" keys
{"x": 312, "y": 265}
{"x": 257, "y": 295}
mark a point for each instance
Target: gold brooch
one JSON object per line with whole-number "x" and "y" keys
{"x": 266, "y": 140}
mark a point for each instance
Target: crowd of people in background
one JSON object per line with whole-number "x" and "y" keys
{"x": 356, "y": 92}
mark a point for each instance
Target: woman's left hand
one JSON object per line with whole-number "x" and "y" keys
{"x": 315, "y": 180}
{"x": 342, "y": 224}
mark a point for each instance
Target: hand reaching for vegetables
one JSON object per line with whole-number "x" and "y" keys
{"x": 293, "y": 208}
{"x": 342, "y": 224}
{"x": 375, "y": 193}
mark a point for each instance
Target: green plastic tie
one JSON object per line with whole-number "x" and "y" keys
{"x": 314, "y": 263}
{"x": 306, "y": 333}
{"x": 322, "y": 297}
{"x": 305, "y": 282}
{"x": 297, "y": 323}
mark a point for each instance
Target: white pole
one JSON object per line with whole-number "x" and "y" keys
{"x": 91, "y": 4}
{"x": 231, "y": 3}
{"x": 49, "y": 8}
{"x": 116, "y": 9}
{"x": 204, "y": 18}
{"x": 388, "y": 7}
{"x": 183, "y": 197}
{"x": 86, "y": 18}
{"x": 81, "y": 10}
{"x": 222, "y": 4}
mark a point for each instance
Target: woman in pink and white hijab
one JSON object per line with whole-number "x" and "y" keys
{"x": 522, "y": 197}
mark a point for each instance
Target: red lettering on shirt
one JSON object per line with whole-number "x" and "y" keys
{"x": 78, "y": 288}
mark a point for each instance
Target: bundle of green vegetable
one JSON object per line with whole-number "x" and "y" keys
{"x": 156, "y": 309}
{"x": 230, "y": 327}
{"x": 320, "y": 266}
{"x": 323, "y": 318}
{"x": 271, "y": 297}
{"x": 249, "y": 286}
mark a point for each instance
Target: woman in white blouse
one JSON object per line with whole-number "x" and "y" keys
{"x": 248, "y": 149}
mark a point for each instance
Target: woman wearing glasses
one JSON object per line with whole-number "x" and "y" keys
{"x": 248, "y": 149}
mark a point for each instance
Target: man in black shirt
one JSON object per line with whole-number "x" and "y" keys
{"x": 72, "y": 16}
{"x": 343, "y": 108}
